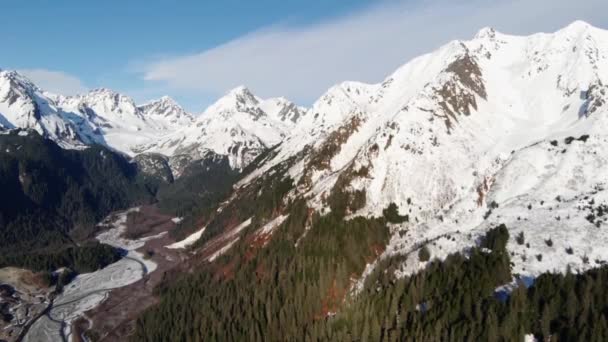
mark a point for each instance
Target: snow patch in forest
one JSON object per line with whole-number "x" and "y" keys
{"x": 222, "y": 250}
{"x": 269, "y": 227}
{"x": 188, "y": 241}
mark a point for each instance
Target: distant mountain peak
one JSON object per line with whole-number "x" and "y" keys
{"x": 237, "y": 100}
{"x": 167, "y": 111}
{"x": 16, "y": 79}
{"x": 167, "y": 99}
{"x": 486, "y": 33}
{"x": 102, "y": 115}
{"x": 105, "y": 93}
{"x": 240, "y": 90}
{"x": 243, "y": 95}
{"x": 239, "y": 125}
{"x": 578, "y": 25}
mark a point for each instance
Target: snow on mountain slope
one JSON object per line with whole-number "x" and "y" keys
{"x": 282, "y": 109}
{"x": 167, "y": 112}
{"x": 239, "y": 125}
{"x": 463, "y": 138}
{"x": 118, "y": 122}
{"x": 497, "y": 129}
{"x": 101, "y": 116}
{"x": 23, "y": 105}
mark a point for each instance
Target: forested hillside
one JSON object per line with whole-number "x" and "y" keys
{"x": 462, "y": 198}
{"x": 196, "y": 193}
{"x": 276, "y": 292}
{"x": 284, "y": 293}
{"x": 52, "y": 197}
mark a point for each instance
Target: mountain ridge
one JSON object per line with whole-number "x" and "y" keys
{"x": 100, "y": 116}
{"x": 471, "y": 171}
{"x": 444, "y": 130}
{"x": 238, "y": 125}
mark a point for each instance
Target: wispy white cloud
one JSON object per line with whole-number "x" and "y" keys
{"x": 301, "y": 62}
{"x": 55, "y": 81}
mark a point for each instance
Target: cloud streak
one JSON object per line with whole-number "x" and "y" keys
{"x": 55, "y": 81}
{"x": 302, "y": 62}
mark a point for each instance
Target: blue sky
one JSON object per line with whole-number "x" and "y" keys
{"x": 99, "y": 41}
{"x": 196, "y": 50}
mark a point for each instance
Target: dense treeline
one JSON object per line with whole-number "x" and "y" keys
{"x": 267, "y": 293}
{"x": 81, "y": 259}
{"x": 197, "y": 192}
{"x": 261, "y": 199}
{"x": 455, "y": 300}
{"x": 52, "y": 197}
{"x": 569, "y": 307}
{"x": 287, "y": 293}
{"x": 450, "y": 300}
{"x": 201, "y": 184}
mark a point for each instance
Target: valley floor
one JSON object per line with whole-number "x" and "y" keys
{"x": 104, "y": 299}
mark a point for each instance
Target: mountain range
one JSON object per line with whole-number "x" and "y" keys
{"x": 471, "y": 123}
{"x": 239, "y": 125}
{"x": 467, "y": 137}
{"x": 495, "y": 131}
{"x": 498, "y": 118}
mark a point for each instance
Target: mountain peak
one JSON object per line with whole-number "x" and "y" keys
{"x": 15, "y": 77}
{"x": 110, "y": 97}
{"x": 102, "y": 91}
{"x": 578, "y": 25}
{"x": 167, "y": 110}
{"x": 243, "y": 95}
{"x": 486, "y": 33}
{"x": 239, "y": 90}
{"x": 280, "y": 108}
{"x": 167, "y": 99}
{"x": 239, "y": 99}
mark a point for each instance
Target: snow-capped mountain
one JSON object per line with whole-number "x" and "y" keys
{"x": 101, "y": 116}
{"x": 496, "y": 129}
{"x": 119, "y": 123}
{"x": 24, "y": 105}
{"x": 167, "y": 112}
{"x": 282, "y": 109}
{"x": 499, "y": 129}
{"x": 239, "y": 125}
{"x": 467, "y": 137}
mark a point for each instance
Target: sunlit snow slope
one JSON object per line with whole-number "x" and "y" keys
{"x": 101, "y": 116}
{"x": 497, "y": 129}
{"x": 239, "y": 125}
